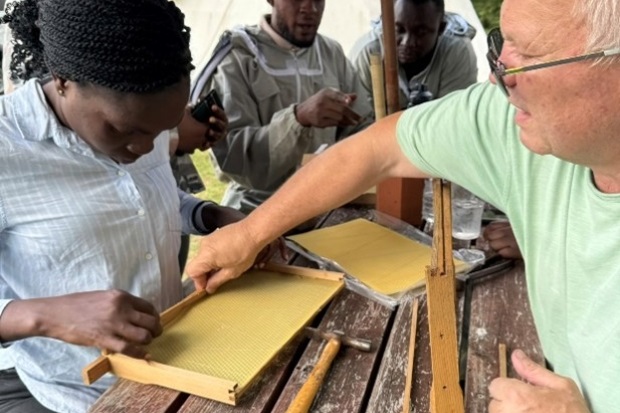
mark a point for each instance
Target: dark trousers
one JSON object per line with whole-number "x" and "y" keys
{"x": 15, "y": 397}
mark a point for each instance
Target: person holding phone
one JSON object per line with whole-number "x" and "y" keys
{"x": 287, "y": 90}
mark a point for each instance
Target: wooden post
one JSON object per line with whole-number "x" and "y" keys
{"x": 400, "y": 198}
{"x": 446, "y": 395}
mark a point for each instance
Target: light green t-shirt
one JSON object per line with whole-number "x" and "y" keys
{"x": 568, "y": 231}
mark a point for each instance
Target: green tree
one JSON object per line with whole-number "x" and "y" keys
{"x": 488, "y": 11}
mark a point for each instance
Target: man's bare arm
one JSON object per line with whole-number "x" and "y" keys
{"x": 330, "y": 180}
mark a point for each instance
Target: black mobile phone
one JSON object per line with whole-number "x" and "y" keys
{"x": 202, "y": 111}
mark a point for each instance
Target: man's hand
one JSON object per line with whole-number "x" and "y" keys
{"x": 543, "y": 391}
{"x": 502, "y": 240}
{"x": 110, "y": 320}
{"x": 328, "y": 107}
{"x": 223, "y": 256}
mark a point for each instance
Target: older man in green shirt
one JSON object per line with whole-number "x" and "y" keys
{"x": 543, "y": 145}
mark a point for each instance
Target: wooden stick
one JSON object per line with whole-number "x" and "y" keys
{"x": 446, "y": 395}
{"x": 378, "y": 87}
{"x": 411, "y": 357}
{"x": 503, "y": 366}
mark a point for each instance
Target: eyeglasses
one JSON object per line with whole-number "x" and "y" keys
{"x": 495, "y": 41}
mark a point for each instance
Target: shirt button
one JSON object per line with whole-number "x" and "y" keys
{"x": 141, "y": 212}
{"x": 148, "y": 256}
{"x": 121, "y": 173}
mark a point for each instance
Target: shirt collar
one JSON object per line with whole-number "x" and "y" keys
{"x": 42, "y": 123}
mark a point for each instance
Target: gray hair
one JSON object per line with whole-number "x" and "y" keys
{"x": 602, "y": 18}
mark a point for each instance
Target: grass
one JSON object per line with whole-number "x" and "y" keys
{"x": 214, "y": 189}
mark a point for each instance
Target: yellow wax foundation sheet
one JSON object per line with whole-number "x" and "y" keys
{"x": 218, "y": 345}
{"x": 383, "y": 260}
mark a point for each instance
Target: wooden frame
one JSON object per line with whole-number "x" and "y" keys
{"x": 151, "y": 372}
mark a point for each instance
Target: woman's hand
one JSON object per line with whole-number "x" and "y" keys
{"x": 218, "y": 125}
{"x": 111, "y": 320}
{"x": 195, "y": 135}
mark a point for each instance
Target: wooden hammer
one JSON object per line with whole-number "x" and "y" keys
{"x": 302, "y": 402}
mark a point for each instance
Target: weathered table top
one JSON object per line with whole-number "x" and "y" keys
{"x": 493, "y": 309}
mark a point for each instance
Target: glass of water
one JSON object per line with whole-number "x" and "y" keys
{"x": 467, "y": 212}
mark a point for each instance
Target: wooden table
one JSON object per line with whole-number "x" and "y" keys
{"x": 493, "y": 309}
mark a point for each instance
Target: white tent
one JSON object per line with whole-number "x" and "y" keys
{"x": 343, "y": 20}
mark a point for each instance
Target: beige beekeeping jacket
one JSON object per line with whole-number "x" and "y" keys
{"x": 260, "y": 81}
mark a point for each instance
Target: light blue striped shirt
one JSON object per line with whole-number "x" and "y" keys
{"x": 73, "y": 220}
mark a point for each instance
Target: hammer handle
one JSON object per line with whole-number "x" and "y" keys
{"x": 302, "y": 402}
